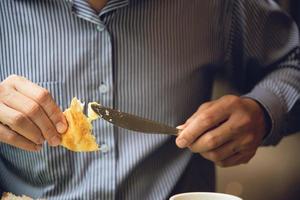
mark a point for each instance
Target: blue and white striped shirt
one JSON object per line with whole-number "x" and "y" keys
{"x": 153, "y": 58}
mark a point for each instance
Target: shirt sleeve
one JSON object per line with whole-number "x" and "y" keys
{"x": 263, "y": 62}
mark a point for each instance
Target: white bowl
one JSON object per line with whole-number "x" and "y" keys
{"x": 204, "y": 196}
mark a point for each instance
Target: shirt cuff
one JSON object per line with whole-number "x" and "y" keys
{"x": 274, "y": 108}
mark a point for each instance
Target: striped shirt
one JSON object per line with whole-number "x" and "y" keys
{"x": 153, "y": 58}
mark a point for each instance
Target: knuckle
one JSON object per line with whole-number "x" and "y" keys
{"x": 17, "y": 120}
{"x": 241, "y": 125}
{"x": 54, "y": 113}
{"x": 2, "y": 128}
{"x": 193, "y": 136}
{"x": 49, "y": 132}
{"x": 233, "y": 128}
{"x": 205, "y": 105}
{"x": 236, "y": 128}
{"x": 11, "y": 137}
{"x": 2, "y": 89}
{"x": 246, "y": 120}
{"x": 190, "y": 136}
{"x": 6, "y": 96}
{"x": 7, "y": 135}
{"x": 206, "y": 119}
{"x": 227, "y": 97}
{"x": 214, "y": 156}
{"x": 233, "y": 100}
{"x": 189, "y": 121}
{"x": 33, "y": 110}
{"x": 249, "y": 139}
{"x": 211, "y": 142}
{"x": 43, "y": 95}
{"x": 13, "y": 77}
{"x": 37, "y": 140}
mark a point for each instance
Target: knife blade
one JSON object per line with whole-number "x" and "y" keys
{"x": 132, "y": 122}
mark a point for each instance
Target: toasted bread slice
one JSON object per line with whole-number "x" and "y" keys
{"x": 10, "y": 196}
{"x": 79, "y": 136}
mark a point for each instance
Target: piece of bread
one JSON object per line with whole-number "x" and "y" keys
{"x": 10, "y": 196}
{"x": 79, "y": 136}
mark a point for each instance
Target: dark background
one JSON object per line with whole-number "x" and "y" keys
{"x": 293, "y": 7}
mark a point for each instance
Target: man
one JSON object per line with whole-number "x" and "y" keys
{"x": 156, "y": 59}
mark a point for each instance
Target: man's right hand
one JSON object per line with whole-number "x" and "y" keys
{"x": 28, "y": 115}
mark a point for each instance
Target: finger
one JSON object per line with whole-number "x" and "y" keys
{"x": 187, "y": 122}
{"x": 12, "y": 138}
{"x": 236, "y": 159}
{"x": 35, "y": 113}
{"x": 204, "y": 121}
{"x": 215, "y": 137}
{"x": 182, "y": 126}
{"x": 20, "y": 124}
{"x": 200, "y": 109}
{"x": 223, "y": 152}
{"x": 44, "y": 99}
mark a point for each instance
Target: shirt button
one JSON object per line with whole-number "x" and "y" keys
{"x": 100, "y": 28}
{"x": 103, "y": 88}
{"x": 104, "y": 148}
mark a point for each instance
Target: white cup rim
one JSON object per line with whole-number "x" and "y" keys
{"x": 207, "y": 193}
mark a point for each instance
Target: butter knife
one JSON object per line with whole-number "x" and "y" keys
{"x": 132, "y": 122}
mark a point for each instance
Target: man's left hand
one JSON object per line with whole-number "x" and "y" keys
{"x": 227, "y": 131}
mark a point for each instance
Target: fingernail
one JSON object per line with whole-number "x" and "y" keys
{"x": 180, "y": 126}
{"x": 61, "y": 127}
{"x": 181, "y": 143}
{"x": 55, "y": 141}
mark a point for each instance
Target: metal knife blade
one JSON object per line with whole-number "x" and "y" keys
{"x": 132, "y": 122}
